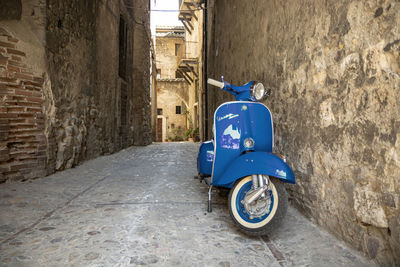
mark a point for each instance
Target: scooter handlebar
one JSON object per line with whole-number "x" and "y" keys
{"x": 215, "y": 83}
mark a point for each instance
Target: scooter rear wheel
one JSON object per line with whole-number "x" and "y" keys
{"x": 275, "y": 206}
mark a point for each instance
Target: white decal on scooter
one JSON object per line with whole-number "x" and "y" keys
{"x": 230, "y": 138}
{"x": 210, "y": 156}
{"x": 228, "y": 116}
{"x": 280, "y": 173}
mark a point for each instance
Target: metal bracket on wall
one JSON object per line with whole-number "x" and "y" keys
{"x": 186, "y": 15}
{"x": 187, "y": 66}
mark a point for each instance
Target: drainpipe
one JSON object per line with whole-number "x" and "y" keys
{"x": 205, "y": 104}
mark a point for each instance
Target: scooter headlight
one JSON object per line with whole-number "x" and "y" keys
{"x": 248, "y": 143}
{"x": 258, "y": 91}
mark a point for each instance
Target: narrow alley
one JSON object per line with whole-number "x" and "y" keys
{"x": 141, "y": 206}
{"x": 105, "y": 104}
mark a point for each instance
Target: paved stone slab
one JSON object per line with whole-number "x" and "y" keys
{"x": 142, "y": 206}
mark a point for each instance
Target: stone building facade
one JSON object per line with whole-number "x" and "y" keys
{"x": 153, "y": 92}
{"x": 181, "y": 74}
{"x": 74, "y": 82}
{"x": 333, "y": 67}
{"x": 191, "y": 16}
{"x": 172, "y": 96}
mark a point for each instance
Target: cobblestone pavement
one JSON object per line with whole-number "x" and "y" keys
{"x": 141, "y": 206}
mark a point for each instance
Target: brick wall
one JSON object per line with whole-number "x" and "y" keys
{"x": 22, "y": 139}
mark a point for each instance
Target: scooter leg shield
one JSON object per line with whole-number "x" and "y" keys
{"x": 255, "y": 163}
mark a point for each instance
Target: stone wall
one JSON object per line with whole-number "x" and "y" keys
{"x": 333, "y": 67}
{"x": 60, "y": 66}
{"x": 73, "y": 129}
{"x": 140, "y": 106}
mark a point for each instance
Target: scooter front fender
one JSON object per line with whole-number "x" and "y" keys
{"x": 255, "y": 163}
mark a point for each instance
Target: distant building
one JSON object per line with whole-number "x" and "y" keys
{"x": 192, "y": 65}
{"x": 180, "y": 82}
{"x": 172, "y": 90}
{"x": 153, "y": 84}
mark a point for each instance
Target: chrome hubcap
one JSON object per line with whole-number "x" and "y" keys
{"x": 259, "y": 207}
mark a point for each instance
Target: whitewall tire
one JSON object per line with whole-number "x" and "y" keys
{"x": 276, "y": 207}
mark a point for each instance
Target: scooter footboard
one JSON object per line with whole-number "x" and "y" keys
{"x": 255, "y": 163}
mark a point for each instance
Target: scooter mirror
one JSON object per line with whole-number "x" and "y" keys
{"x": 267, "y": 92}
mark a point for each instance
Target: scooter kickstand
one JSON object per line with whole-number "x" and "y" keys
{"x": 209, "y": 199}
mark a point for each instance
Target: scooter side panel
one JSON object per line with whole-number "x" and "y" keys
{"x": 233, "y": 123}
{"x": 205, "y": 158}
{"x": 256, "y": 163}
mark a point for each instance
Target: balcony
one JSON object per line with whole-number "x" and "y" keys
{"x": 188, "y": 69}
{"x": 187, "y": 12}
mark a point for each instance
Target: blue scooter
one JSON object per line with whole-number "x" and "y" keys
{"x": 240, "y": 158}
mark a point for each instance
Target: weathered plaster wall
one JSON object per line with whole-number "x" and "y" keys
{"x": 334, "y": 70}
{"x": 167, "y": 62}
{"x": 175, "y": 124}
{"x": 175, "y": 86}
{"x": 172, "y": 93}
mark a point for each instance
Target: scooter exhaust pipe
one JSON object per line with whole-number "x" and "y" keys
{"x": 250, "y": 198}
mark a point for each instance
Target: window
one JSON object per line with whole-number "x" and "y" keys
{"x": 173, "y": 125}
{"x": 178, "y": 110}
{"x": 158, "y": 73}
{"x": 177, "y": 46}
{"x": 123, "y": 31}
{"x": 159, "y": 111}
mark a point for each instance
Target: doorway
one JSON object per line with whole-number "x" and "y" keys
{"x": 159, "y": 130}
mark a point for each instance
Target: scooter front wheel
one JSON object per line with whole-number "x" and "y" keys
{"x": 264, "y": 214}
